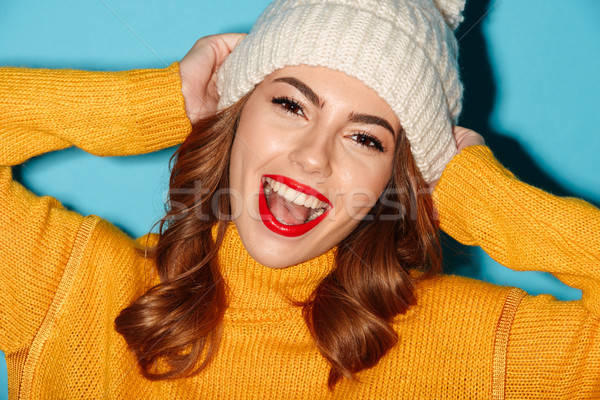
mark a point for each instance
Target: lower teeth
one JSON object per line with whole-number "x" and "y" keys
{"x": 314, "y": 214}
{"x": 280, "y": 221}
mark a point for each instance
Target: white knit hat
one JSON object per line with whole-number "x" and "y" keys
{"x": 404, "y": 49}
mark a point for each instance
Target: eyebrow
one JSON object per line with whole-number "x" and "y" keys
{"x": 371, "y": 120}
{"x": 353, "y": 117}
{"x": 303, "y": 88}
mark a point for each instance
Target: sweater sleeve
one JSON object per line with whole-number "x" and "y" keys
{"x": 103, "y": 113}
{"x": 545, "y": 348}
{"x": 106, "y": 113}
{"x": 524, "y": 228}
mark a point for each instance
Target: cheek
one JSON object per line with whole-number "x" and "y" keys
{"x": 244, "y": 150}
{"x": 257, "y": 139}
{"x": 255, "y": 145}
{"x": 364, "y": 186}
{"x": 359, "y": 202}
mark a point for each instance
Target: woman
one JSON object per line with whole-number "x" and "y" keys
{"x": 340, "y": 306}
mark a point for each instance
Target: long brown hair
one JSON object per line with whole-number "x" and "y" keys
{"x": 174, "y": 328}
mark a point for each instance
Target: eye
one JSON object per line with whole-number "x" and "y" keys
{"x": 289, "y": 105}
{"x": 366, "y": 140}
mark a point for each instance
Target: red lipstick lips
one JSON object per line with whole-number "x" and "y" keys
{"x": 289, "y": 230}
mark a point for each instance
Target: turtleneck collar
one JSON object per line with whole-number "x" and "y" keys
{"x": 255, "y": 286}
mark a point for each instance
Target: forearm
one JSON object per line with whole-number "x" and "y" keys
{"x": 108, "y": 113}
{"x": 104, "y": 113}
{"x": 481, "y": 203}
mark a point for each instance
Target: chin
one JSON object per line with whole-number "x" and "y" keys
{"x": 268, "y": 252}
{"x": 277, "y": 251}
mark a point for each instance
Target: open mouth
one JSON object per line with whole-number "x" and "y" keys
{"x": 290, "y": 208}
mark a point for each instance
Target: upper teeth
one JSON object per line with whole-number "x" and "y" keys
{"x": 295, "y": 196}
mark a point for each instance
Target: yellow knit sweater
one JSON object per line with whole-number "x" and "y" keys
{"x": 64, "y": 277}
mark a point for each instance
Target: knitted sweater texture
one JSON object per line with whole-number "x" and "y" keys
{"x": 65, "y": 277}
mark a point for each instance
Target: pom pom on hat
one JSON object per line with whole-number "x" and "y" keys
{"x": 452, "y": 11}
{"x": 405, "y": 50}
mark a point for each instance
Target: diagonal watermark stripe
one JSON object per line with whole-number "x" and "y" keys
{"x": 134, "y": 33}
{"x": 479, "y": 20}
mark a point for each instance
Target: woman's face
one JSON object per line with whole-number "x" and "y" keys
{"x": 312, "y": 153}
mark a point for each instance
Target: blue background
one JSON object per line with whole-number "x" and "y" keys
{"x": 530, "y": 71}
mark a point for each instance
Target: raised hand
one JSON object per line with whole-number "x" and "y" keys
{"x": 198, "y": 70}
{"x": 466, "y": 137}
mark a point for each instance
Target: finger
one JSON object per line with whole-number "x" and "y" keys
{"x": 466, "y": 137}
{"x": 225, "y": 45}
{"x": 231, "y": 40}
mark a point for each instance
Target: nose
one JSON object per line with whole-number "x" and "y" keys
{"x": 313, "y": 152}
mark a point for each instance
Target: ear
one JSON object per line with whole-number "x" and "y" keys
{"x": 452, "y": 11}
